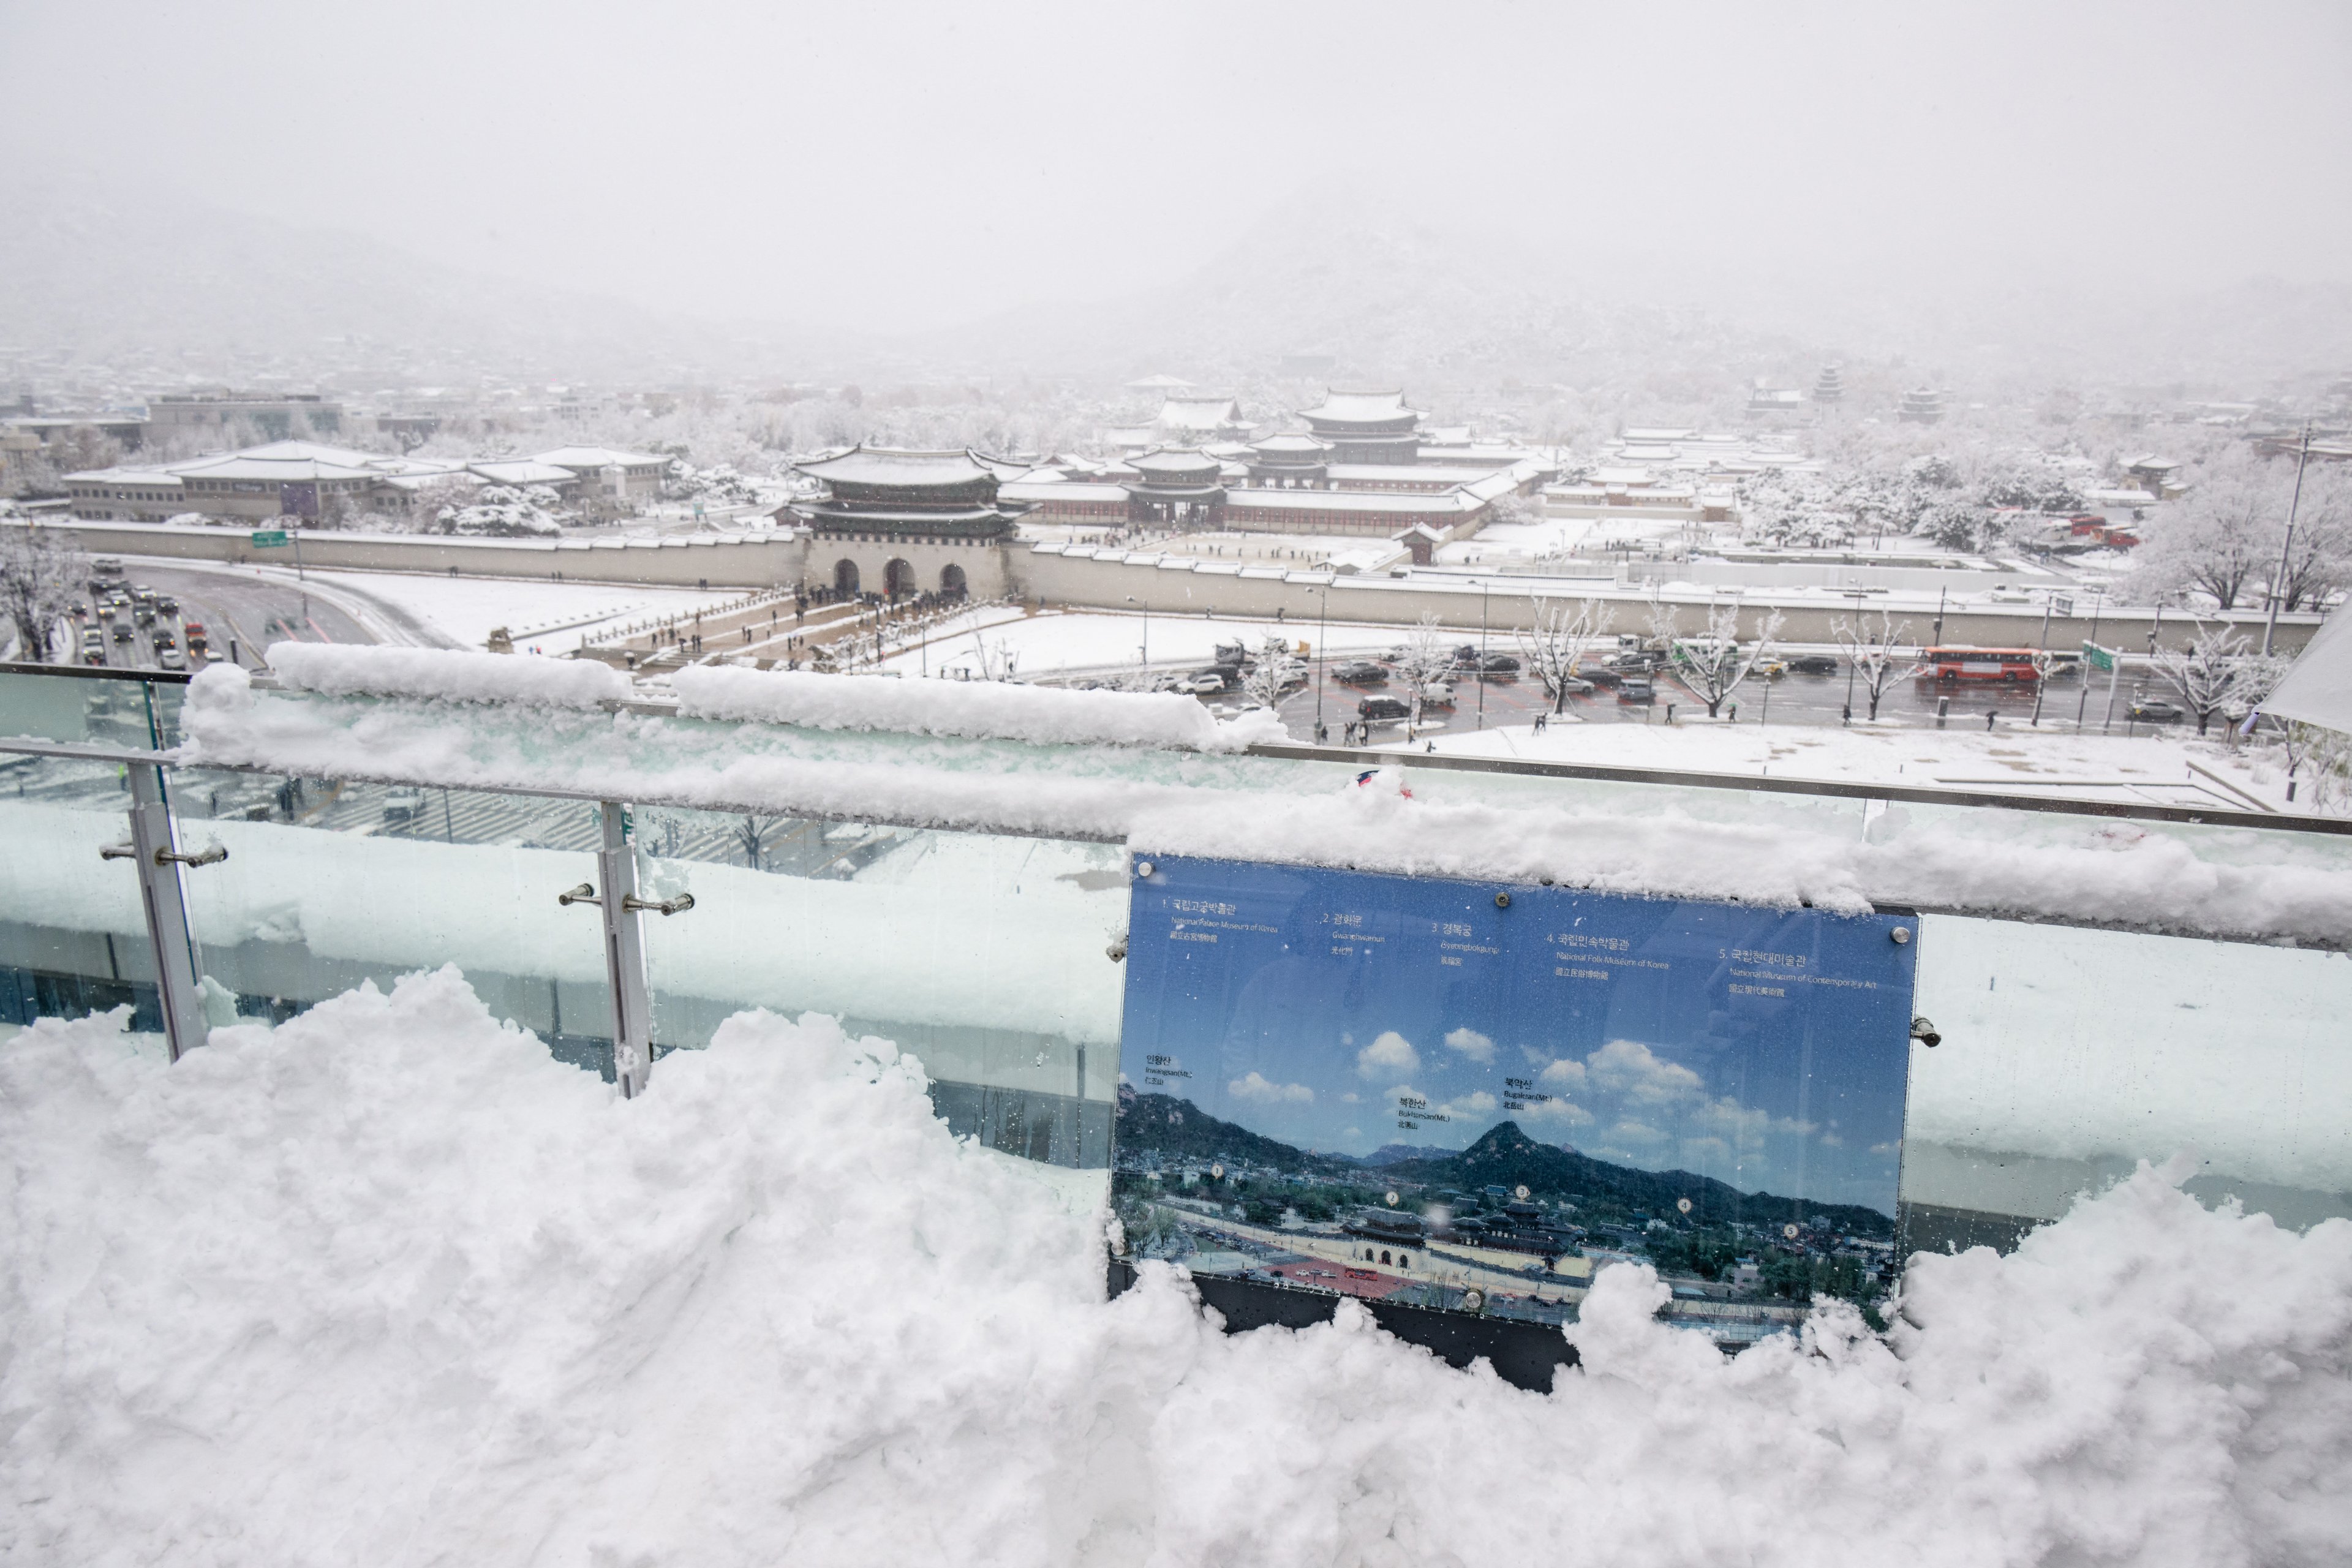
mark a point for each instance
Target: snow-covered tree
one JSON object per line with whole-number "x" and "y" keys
{"x": 40, "y": 579}
{"x": 1555, "y": 643}
{"x": 2215, "y": 540}
{"x": 1426, "y": 657}
{"x": 1872, "y": 651}
{"x": 1714, "y": 665}
{"x": 503, "y": 511}
{"x": 1273, "y": 673}
{"x": 2214, "y": 674}
{"x": 2319, "y": 557}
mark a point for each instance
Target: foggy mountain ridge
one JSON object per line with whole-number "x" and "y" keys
{"x": 162, "y": 290}
{"x": 173, "y": 290}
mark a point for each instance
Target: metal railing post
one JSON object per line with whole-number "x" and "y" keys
{"x": 624, "y": 954}
{"x": 161, "y": 894}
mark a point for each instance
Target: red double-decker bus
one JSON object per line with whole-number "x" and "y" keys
{"x": 1976, "y": 664}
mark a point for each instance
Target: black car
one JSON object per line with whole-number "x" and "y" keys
{"x": 1813, "y": 664}
{"x": 1361, "y": 672}
{"x": 1599, "y": 674}
{"x": 2157, "y": 710}
{"x": 1374, "y": 708}
{"x": 1498, "y": 663}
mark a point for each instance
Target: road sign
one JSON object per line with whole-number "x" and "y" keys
{"x": 2098, "y": 658}
{"x": 268, "y": 538}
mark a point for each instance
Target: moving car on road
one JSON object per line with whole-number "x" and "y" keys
{"x": 2155, "y": 711}
{"x": 1813, "y": 664}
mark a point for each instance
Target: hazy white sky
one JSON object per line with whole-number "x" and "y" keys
{"x": 871, "y": 163}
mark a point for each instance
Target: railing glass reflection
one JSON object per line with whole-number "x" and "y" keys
{"x": 987, "y": 956}
{"x": 2067, "y": 1055}
{"x": 328, "y": 884}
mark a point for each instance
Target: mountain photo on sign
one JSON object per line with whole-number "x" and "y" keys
{"x": 1410, "y": 1090}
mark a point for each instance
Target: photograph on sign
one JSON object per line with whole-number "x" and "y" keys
{"x": 1468, "y": 1095}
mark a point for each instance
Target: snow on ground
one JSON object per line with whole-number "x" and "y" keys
{"x": 469, "y": 608}
{"x": 2161, "y": 767}
{"x": 388, "y": 1285}
{"x": 1059, "y": 641}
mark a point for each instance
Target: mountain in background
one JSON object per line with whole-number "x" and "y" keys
{"x": 1503, "y": 1156}
{"x": 155, "y": 292}
{"x": 167, "y": 291}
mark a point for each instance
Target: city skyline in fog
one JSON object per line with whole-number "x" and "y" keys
{"x": 911, "y": 170}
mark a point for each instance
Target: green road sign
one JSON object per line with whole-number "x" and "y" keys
{"x": 2098, "y": 658}
{"x": 268, "y": 538}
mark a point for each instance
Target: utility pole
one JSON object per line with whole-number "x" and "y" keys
{"x": 2286, "y": 547}
{"x": 2098, "y": 603}
{"x": 1146, "y": 632}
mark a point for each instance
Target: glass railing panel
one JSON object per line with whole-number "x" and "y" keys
{"x": 92, "y": 709}
{"x": 330, "y": 883}
{"x": 2069, "y": 1054}
{"x": 73, "y": 936}
{"x": 985, "y": 956}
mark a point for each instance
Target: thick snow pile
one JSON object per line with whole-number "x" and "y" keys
{"x": 351, "y": 669}
{"x": 388, "y": 1285}
{"x": 996, "y": 711}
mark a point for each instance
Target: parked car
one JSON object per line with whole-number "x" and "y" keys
{"x": 403, "y": 804}
{"x": 1813, "y": 664}
{"x": 1599, "y": 675}
{"x": 1501, "y": 663}
{"x": 1437, "y": 694}
{"x": 1575, "y": 687}
{"x": 2157, "y": 710}
{"x": 1377, "y": 709}
{"x": 1361, "y": 672}
{"x": 1636, "y": 688}
{"x": 1635, "y": 661}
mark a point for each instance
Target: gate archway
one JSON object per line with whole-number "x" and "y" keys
{"x": 845, "y": 577}
{"x": 898, "y": 579}
{"x": 951, "y": 581}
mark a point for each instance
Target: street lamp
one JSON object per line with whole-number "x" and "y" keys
{"x": 1322, "y": 653}
{"x": 1483, "y": 587}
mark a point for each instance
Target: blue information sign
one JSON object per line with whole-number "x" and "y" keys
{"x": 1473, "y": 1095}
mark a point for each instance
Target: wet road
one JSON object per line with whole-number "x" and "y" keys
{"x": 246, "y": 613}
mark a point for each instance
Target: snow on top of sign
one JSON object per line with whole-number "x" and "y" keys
{"x": 345, "y": 669}
{"x": 980, "y": 710}
{"x": 349, "y": 1266}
